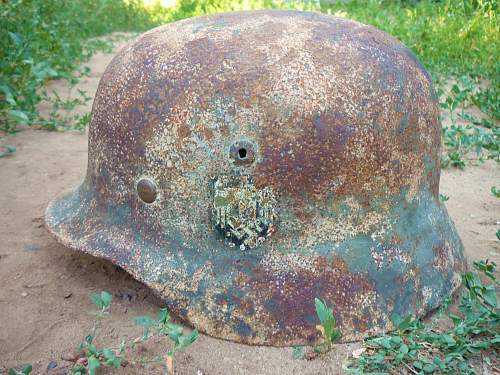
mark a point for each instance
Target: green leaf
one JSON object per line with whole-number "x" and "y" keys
{"x": 399, "y": 357}
{"x": 9, "y": 96}
{"x": 401, "y": 324}
{"x": 93, "y": 365}
{"x": 106, "y": 298}
{"x": 186, "y": 340}
{"x": 403, "y": 349}
{"x": 324, "y": 313}
{"x": 108, "y": 353}
{"x": 8, "y": 150}
{"x": 319, "y": 348}
{"x": 92, "y": 349}
{"x": 335, "y": 335}
{"x": 455, "y": 319}
{"x": 43, "y": 70}
{"x": 490, "y": 296}
{"x": 385, "y": 342}
{"x": 16, "y": 38}
{"x": 297, "y": 352}
{"x": 444, "y": 198}
{"x": 429, "y": 368}
{"x": 174, "y": 331}
{"x": 27, "y": 368}
{"x": 97, "y": 300}
{"x": 396, "y": 340}
{"x": 163, "y": 316}
{"x": 481, "y": 345}
{"x": 450, "y": 341}
{"x": 488, "y": 268}
{"x": 145, "y": 334}
{"x": 418, "y": 365}
{"x": 145, "y": 321}
{"x": 114, "y": 362}
{"x": 111, "y": 359}
{"x": 19, "y": 116}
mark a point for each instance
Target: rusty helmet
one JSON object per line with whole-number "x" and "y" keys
{"x": 243, "y": 164}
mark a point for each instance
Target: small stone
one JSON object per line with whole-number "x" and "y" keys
{"x": 310, "y": 355}
{"x": 82, "y": 361}
{"x": 126, "y": 296}
{"x": 24, "y": 294}
{"x": 72, "y": 356}
{"x": 52, "y": 365}
{"x": 357, "y": 353}
{"x": 31, "y": 247}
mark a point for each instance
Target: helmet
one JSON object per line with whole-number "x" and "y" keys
{"x": 243, "y": 164}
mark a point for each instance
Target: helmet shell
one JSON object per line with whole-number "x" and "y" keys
{"x": 243, "y": 164}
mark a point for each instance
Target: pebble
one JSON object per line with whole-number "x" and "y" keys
{"x": 72, "y": 356}
{"x": 51, "y": 365}
{"x": 31, "y": 247}
{"x": 24, "y": 294}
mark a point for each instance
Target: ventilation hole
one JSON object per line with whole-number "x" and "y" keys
{"x": 242, "y": 153}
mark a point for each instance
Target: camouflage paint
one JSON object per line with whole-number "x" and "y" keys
{"x": 339, "y": 122}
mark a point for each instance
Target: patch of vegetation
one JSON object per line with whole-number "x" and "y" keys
{"x": 89, "y": 357}
{"x": 175, "y": 332}
{"x": 481, "y": 137}
{"x": 461, "y": 140}
{"x": 25, "y": 370}
{"x": 419, "y": 348}
{"x": 50, "y": 39}
{"x": 443, "y": 198}
{"x": 328, "y": 327}
{"x": 7, "y": 150}
{"x": 93, "y": 358}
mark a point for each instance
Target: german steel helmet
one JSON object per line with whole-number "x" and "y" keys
{"x": 243, "y": 164}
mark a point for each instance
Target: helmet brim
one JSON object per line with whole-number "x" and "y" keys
{"x": 236, "y": 299}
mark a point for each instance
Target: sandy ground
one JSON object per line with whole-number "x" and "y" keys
{"x": 45, "y": 287}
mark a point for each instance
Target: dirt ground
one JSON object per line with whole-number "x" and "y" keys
{"x": 45, "y": 287}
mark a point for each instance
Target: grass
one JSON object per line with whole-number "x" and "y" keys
{"x": 50, "y": 39}
{"x": 460, "y": 342}
{"x": 89, "y": 357}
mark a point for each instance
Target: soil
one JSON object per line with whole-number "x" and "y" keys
{"x": 45, "y": 287}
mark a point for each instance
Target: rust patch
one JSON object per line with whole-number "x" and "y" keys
{"x": 336, "y": 119}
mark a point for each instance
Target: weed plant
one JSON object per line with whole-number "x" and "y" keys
{"x": 50, "y": 39}
{"x": 90, "y": 357}
{"x": 415, "y": 347}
